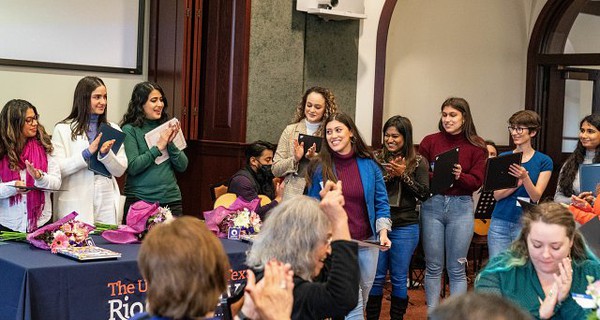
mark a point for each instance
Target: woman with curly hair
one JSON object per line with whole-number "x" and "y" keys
{"x": 76, "y": 139}
{"x": 586, "y": 152}
{"x": 290, "y": 160}
{"x": 25, "y": 162}
{"x": 147, "y": 180}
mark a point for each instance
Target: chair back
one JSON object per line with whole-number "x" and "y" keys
{"x": 217, "y": 190}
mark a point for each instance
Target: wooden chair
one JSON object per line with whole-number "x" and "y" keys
{"x": 227, "y": 199}
{"x": 217, "y": 190}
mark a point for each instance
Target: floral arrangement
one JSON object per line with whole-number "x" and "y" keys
{"x": 247, "y": 221}
{"x": 593, "y": 290}
{"x": 64, "y": 233}
{"x": 141, "y": 217}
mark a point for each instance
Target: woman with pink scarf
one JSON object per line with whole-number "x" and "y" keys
{"x": 26, "y": 169}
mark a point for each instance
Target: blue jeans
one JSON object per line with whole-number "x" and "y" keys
{"x": 447, "y": 231}
{"x": 501, "y": 234}
{"x": 367, "y": 264}
{"x": 397, "y": 260}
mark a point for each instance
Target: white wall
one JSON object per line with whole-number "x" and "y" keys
{"x": 436, "y": 49}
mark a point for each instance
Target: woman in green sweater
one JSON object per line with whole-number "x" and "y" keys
{"x": 149, "y": 178}
{"x": 545, "y": 266}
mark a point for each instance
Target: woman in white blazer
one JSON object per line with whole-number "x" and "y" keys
{"x": 93, "y": 196}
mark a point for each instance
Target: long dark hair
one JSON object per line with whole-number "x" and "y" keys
{"x": 468, "y": 127}
{"x": 404, "y": 127}
{"x": 572, "y": 163}
{"x": 359, "y": 147}
{"x": 12, "y": 120}
{"x": 80, "y": 112}
{"x": 135, "y": 110}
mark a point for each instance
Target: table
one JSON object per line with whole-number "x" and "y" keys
{"x": 36, "y": 284}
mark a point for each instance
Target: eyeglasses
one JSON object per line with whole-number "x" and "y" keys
{"x": 518, "y": 130}
{"x": 29, "y": 120}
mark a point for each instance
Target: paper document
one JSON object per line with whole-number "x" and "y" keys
{"x": 153, "y": 136}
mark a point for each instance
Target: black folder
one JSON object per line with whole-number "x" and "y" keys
{"x": 497, "y": 175}
{"x": 108, "y": 133}
{"x": 589, "y": 177}
{"x": 309, "y": 140}
{"x": 443, "y": 178}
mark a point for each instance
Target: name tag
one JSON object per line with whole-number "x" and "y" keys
{"x": 584, "y": 300}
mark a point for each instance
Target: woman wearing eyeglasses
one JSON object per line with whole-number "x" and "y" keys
{"x": 533, "y": 174}
{"x": 25, "y": 162}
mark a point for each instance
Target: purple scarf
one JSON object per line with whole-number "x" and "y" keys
{"x": 36, "y": 154}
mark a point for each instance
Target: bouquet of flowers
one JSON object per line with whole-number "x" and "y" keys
{"x": 247, "y": 221}
{"x": 141, "y": 217}
{"x": 593, "y": 290}
{"x": 240, "y": 214}
{"x": 61, "y": 234}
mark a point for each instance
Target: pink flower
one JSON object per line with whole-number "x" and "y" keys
{"x": 61, "y": 241}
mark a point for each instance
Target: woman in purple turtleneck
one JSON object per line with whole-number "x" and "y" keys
{"x": 346, "y": 158}
{"x": 94, "y": 197}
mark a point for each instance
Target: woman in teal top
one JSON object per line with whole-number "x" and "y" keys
{"x": 545, "y": 266}
{"x": 147, "y": 180}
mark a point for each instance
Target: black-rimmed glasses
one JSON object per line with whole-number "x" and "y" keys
{"x": 29, "y": 120}
{"x": 518, "y": 130}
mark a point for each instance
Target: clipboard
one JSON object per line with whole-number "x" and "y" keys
{"x": 108, "y": 133}
{"x": 309, "y": 140}
{"x": 589, "y": 177}
{"x": 497, "y": 175}
{"x": 443, "y": 179}
{"x": 36, "y": 188}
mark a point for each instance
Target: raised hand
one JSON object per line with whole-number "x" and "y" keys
{"x": 298, "y": 150}
{"x": 106, "y": 146}
{"x": 33, "y": 171}
{"x": 312, "y": 151}
{"x": 94, "y": 145}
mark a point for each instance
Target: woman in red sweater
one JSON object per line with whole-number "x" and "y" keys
{"x": 447, "y": 218}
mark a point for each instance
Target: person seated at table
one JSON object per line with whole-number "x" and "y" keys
{"x": 25, "y": 162}
{"x": 545, "y": 265}
{"x": 256, "y": 177}
{"x": 477, "y": 306}
{"x": 584, "y": 206}
{"x": 315, "y": 240}
{"x": 186, "y": 283}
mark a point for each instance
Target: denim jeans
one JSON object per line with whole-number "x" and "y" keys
{"x": 501, "y": 234}
{"x": 367, "y": 264}
{"x": 447, "y": 231}
{"x": 397, "y": 260}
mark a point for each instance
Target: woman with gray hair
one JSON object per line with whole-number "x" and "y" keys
{"x": 314, "y": 239}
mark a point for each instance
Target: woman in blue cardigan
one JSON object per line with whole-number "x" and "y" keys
{"x": 346, "y": 158}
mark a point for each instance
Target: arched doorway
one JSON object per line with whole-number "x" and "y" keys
{"x": 563, "y": 69}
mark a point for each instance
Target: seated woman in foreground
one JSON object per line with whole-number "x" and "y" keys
{"x": 315, "y": 240}
{"x": 186, "y": 283}
{"x": 544, "y": 266}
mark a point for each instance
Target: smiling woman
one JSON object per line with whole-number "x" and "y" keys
{"x": 25, "y": 162}
{"x": 547, "y": 264}
{"x": 148, "y": 179}
{"x": 76, "y": 140}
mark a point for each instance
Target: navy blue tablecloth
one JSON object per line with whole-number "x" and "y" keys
{"x": 36, "y": 284}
